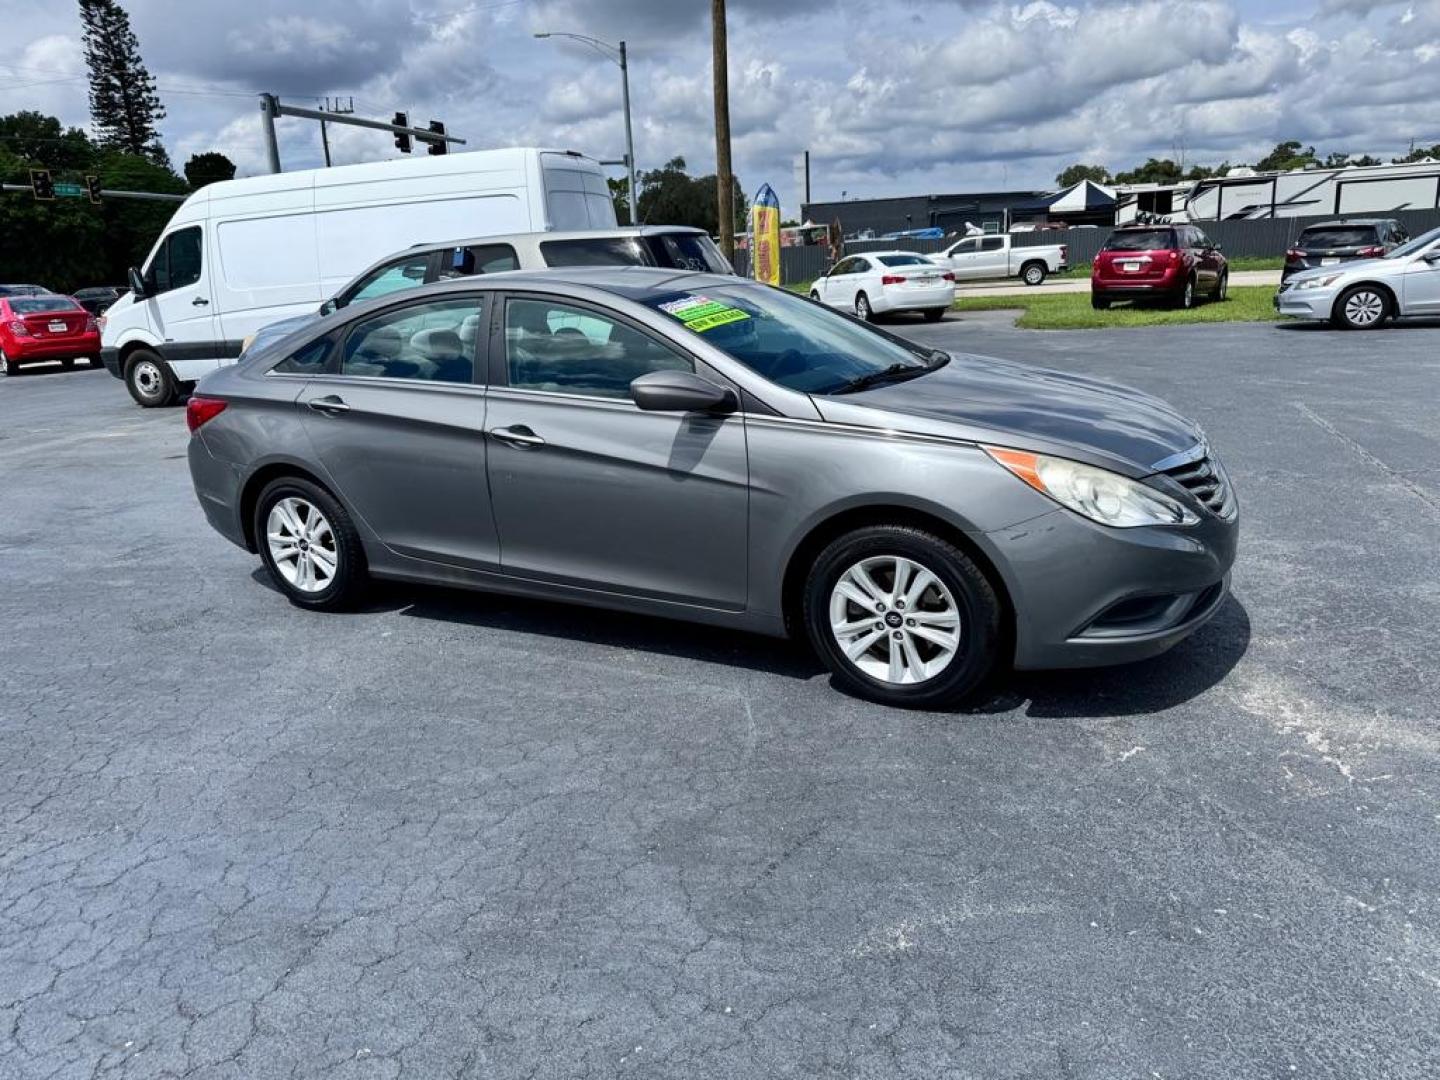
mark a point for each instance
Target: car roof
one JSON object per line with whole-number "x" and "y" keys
{"x": 623, "y": 232}
{"x": 1342, "y": 222}
{"x": 897, "y": 251}
{"x": 632, "y": 282}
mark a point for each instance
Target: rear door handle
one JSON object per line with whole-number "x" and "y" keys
{"x": 199, "y": 301}
{"x": 330, "y": 405}
{"x": 518, "y": 436}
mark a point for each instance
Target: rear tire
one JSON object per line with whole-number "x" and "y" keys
{"x": 1099, "y": 303}
{"x": 10, "y": 367}
{"x": 68, "y": 364}
{"x": 309, "y": 545}
{"x": 934, "y": 314}
{"x": 949, "y": 628}
{"x": 814, "y": 296}
{"x": 863, "y": 310}
{"x": 1033, "y": 273}
{"x": 1186, "y": 300}
{"x": 149, "y": 380}
{"x": 95, "y": 361}
{"x": 1361, "y": 307}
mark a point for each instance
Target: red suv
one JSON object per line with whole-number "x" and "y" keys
{"x": 34, "y": 329}
{"x": 1176, "y": 264}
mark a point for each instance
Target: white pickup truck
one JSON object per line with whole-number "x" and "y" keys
{"x": 994, "y": 256}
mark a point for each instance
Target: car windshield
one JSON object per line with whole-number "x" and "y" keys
{"x": 1141, "y": 240}
{"x": 1333, "y": 237}
{"x": 789, "y": 340}
{"x": 904, "y": 260}
{"x": 1420, "y": 243}
{"x": 42, "y": 304}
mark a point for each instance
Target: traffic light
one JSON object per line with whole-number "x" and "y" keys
{"x": 439, "y": 145}
{"x": 402, "y": 138}
{"x": 92, "y": 185}
{"x": 41, "y": 185}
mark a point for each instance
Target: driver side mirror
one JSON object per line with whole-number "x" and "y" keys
{"x": 681, "y": 391}
{"x": 137, "y": 284}
{"x": 1432, "y": 257}
{"x": 329, "y": 307}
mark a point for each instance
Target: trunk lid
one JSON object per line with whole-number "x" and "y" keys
{"x": 60, "y": 322}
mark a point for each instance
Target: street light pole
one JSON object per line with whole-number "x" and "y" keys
{"x": 617, "y": 55}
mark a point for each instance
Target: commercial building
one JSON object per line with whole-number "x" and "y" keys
{"x": 987, "y": 210}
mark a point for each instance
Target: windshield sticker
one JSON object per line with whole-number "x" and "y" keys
{"x": 700, "y": 313}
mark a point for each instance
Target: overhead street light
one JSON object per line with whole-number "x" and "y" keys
{"x": 615, "y": 54}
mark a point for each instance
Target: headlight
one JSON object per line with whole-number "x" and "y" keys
{"x": 1098, "y": 494}
{"x": 245, "y": 345}
{"x": 1319, "y": 283}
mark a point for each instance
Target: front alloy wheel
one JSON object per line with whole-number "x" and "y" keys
{"x": 902, "y": 617}
{"x": 1361, "y": 308}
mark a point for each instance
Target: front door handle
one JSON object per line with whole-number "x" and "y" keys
{"x": 330, "y": 405}
{"x": 199, "y": 301}
{"x": 518, "y": 436}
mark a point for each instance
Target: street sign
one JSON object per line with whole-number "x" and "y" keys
{"x": 72, "y": 190}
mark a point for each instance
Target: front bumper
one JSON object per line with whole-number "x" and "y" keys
{"x": 111, "y": 359}
{"x": 1086, "y": 595}
{"x": 1306, "y": 303}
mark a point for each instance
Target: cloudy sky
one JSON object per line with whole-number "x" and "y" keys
{"x": 890, "y": 97}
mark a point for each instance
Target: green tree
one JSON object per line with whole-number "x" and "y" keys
{"x": 131, "y": 226}
{"x": 671, "y": 196}
{"x": 1418, "y": 153}
{"x": 124, "y": 106}
{"x": 207, "y": 168}
{"x": 1154, "y": 171}
{"x": 44, "y": 141}
{"x": 1287, "y": 155}
{"x": 620, "y": 196}
{"x": 56, "y": 243}
{"x": 1073, "y": 174}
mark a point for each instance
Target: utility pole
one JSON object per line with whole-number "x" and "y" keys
{"x": 269, "y": 109}
{"x": 629, "y": 139}
{"x": 724, "y": 179}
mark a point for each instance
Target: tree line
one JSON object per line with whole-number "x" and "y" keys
{"x": 1291, "y": 154}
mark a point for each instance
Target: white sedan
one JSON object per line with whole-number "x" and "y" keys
{"x": 880, "y": 282}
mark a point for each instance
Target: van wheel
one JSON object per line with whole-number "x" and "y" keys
{"x": 1033, "y": 273}
{"x": 1363, "y": 307}
{"x": 902, "y": 617}
{"x": 309, "y": 544}
{"x": 149, "y": 380}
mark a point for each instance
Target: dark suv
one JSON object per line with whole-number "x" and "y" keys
{"x": 1333, "y": 242}
{"x": 1172, "y": 263}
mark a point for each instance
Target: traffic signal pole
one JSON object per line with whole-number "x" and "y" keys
{"x": 271, "y": 108}
{"x": 104, "y": 193}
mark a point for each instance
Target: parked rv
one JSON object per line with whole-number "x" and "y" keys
{"x": 241, "y": 254}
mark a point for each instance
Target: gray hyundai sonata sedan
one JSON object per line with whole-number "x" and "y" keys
{"x": 710, "y": 449}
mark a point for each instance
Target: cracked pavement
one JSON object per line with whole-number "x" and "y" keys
{"x": 463, "y": 836}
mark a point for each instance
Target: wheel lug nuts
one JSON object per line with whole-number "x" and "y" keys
{"x": 900, "y": 603}
{"x": 879, "y": 626}
{"x": 897, "y": 635}
{"x": 879, "y": 607}
{"x": 909, "y": 622}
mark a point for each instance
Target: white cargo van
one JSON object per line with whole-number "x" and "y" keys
{"x": 240, "y": 254}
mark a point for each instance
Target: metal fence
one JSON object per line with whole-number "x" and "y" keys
{"x": 1239, "y": 239}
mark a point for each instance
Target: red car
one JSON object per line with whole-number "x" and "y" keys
{"x": 1176, "y": 264}
{"x": 37, "y": 329}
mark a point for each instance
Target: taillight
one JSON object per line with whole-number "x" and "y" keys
{"x": 948, "y": 276}
{"x": 1065, "y": 253}
{"x": 1294, "y": 255}
{"x": 1371, "y": 252}
{"x": 18, "y": 328}
{"x": 91, "y": 326}
{"x": 201, "y": 410}
{"x": 1175, "y": 258}
{"x": 892, "y": 279}
{"x": 100, "y": 324}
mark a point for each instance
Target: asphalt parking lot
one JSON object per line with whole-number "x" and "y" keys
{"x": 462, "y": 836}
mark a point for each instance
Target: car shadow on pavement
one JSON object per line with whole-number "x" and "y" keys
{"x": 1192, "y": 667}
{"x": 1315, "y": 326}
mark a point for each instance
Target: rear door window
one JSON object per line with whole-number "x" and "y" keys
{"x": 596, "y": 251}
{"x": 992, "y": 243}
{"x": 431, "y": 341}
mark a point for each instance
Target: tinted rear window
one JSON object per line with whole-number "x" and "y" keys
{"x": 904, "y": 260}
{"x": 1141, "y": 240}
{"x": 1349, "y": 236}
{"x": 42, "y": 304}
{"x": 601, "y": 251}
{"x": 689, "y": 251}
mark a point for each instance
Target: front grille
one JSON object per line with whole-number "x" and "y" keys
{"x": 1206, "y": 480}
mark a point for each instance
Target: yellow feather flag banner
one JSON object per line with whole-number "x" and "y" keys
{"x": 765, "y": 236}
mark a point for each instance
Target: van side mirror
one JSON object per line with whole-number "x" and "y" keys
{"x": 681, "y": 391}
{"x": 137, "y": 283}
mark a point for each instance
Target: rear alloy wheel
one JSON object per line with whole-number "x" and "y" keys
{"x": 148, "y": 380}
{"x": 1187, "y": 295}
{"x": 814, "y": 296}
{"x": 1033, "y": 273}
{"x": 1363, "y": 307}
{"x": 10, "y": 367}
{"x": 1222, "y": 287}
{"x": 902, "y": 617}
{"x": 309, "y": 545}
{"x": 862, "y": 308}
{"x": 934, "y": 314}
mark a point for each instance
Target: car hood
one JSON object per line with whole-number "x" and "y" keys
{"x": 1346, "y": 266}
{"x": 982, "y": 399}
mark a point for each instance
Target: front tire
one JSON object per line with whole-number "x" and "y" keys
{"x": 1033, "y": 273}
{"x": 309, "y": 544}
{"x": 902, "y": 617}
{"x": 863, "y": 311}
{"x": 149, "y": 380}
{"x": 1222, "y": 287}
{"x": 1362, "y": 307}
